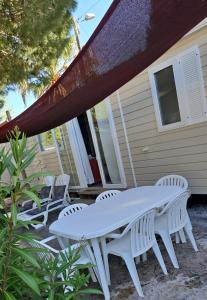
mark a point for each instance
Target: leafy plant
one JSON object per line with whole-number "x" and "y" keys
{"x": 64, "y": 277}
{"x": 23, "y": 273}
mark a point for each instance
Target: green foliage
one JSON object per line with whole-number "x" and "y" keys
{"x": 33, "y": 35}
{"x": 24, "y": 274}
{"x": 47, "y": 138}
{"x": 73, "y": 282}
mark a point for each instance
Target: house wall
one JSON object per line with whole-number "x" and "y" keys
{"x": 48, "y": 161}
{"x": 179, "y": 151}
{"x": 45, "y": 161}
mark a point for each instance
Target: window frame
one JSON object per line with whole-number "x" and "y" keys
{"x": 170, "y": 62}
{"x": 180, "y": 88}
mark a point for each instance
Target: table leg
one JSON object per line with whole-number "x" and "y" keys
{"x": 101, "y": 269}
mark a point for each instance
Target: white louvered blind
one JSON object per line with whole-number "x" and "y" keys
{"x": 193, "y": 89}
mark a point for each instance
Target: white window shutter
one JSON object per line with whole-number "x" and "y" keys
{"x": 193, "y": 87}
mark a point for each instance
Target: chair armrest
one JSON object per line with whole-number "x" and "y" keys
{"x": 48, "y": 247}
{"x": 34, "y": 204}
{"x": 48, "y": 239}
{"x": 25, "y": 211}
{"x": 25, "y": 202}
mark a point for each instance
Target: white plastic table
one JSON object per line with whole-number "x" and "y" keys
{"x": 103, "y": 217}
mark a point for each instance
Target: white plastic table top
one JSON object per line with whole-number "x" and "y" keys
{"x": 103, "y": 217}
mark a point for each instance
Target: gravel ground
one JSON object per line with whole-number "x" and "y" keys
{"x": 189, "y": 282}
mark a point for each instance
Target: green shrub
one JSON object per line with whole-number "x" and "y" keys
{"x": 23, "y": 274}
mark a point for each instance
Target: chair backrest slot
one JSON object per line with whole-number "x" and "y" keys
{"x": 71, "y": 209}
{"x": 107, "y": 195}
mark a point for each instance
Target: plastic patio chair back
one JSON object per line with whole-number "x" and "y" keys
{"x": 107, "y": 195}
{"x": 47, "y": 252}
{"x": 173, "y": 180}
{"x": 71, "y": 209}
{"x": 49, "y": 180}
{"x": 176, "y": 211}
{"x": 142, "y": 233}
{"x": 63, "y": 180}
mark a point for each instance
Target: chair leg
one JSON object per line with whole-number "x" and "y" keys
{"x": 129, "y": 260}
{"x": 105, "y": 259}
{"x": 37, "y": 226}
{"x": 182, "y": 236}
{"x": 44, "y": 222}
{"x": 177, "y": 238}
{"x": 137, "y": 260}
{"x": 93, "y": 276}
{"x": 101, "y": 269}
{"x": 169, "y": 246}
{"x": 190, "y": 235}
{"x": 94, "y": 270}
{"x": 159, "y": 257}
{"x": 144, "y": 257}
{"x": 189, "y": 222}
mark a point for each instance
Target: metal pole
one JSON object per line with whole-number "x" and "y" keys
{"x": 57, "y": 151}
{"x": 76, "y": 31}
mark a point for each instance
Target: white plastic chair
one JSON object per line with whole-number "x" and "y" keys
{"x": 67, "y": 211}
{"x": 60, "y": 198}
{"x": 29, "y": 210}
{"x": 137, "y": 238}
{"x": 49, "y": 183}
{"x": 85, "y": 257}
{"x": 64, "y": 243}
{"x": 180, "y": 181}
{"x": 173, "y": 180}
{"x": 172, "y": 219}
{"x": 49, "y": 180}
{"x": 63, "y": 180}
{"x": 107, "y": 195}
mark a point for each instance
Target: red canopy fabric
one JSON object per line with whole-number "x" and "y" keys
{"x": 132, "y": 35}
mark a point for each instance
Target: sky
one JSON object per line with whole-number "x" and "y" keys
{"x": 98, "y": 7}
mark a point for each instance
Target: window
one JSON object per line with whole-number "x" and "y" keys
{"x": 178, "y": 91}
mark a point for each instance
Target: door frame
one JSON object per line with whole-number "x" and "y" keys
{"x": 123, "y": 183}
{"x": 77, "y": 158}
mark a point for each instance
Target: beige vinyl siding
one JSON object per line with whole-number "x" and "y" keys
{"x": 179, "y": 151}
{"x": 45, "y": 161}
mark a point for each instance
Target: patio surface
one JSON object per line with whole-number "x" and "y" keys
{"x": 187, "y": 283}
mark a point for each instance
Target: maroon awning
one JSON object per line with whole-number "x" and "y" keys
{"x": 132, "y": 35}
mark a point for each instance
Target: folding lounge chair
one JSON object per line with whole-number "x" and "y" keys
{"x": 58, "y": 198}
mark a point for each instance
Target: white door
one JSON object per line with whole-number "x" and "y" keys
{"x": 79, "y": 153}
{"x": 106, "y": 145}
